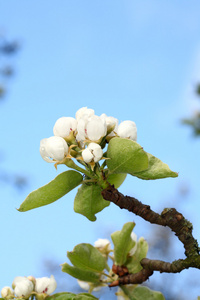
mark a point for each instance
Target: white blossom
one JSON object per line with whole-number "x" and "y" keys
{"x": 92, "y": 153}
{"x": 87, "y": 286}
{"x": 84, "y": 111}
{"x": 64, "y": 126}
{"x": 45, "y": 285}
{"x": 134, "y": 238}
{"x": 92, "y": 128}
{"x": 7, "y": 292}
{"x": 101, "y": 243}
{"x": 127, "y": 129}
{"x": 111, "y": 123}
{"x": 22, "y": 286}
{"x": 53, "y": 149}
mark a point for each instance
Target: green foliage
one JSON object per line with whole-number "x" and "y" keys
{"x": 88, "y": 201}
{"x": 116, "y": 179}
{"x": 71, "y": 296}
{"x": 156, "y": 170}
{"x": 141, "y": 293}
{"x": 54, "y": 190}
{"x": 88, "y": 263}
{"x": 133, "y": 262}
{"x": 123, "y": 243}
{"x": 126, "y": 156}
{"x": 87, "y": 257}
{"x": 80, "y": 274}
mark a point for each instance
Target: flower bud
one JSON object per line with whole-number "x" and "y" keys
{"x": 45, "y": 285}
{"x": 111, "y": 123}
{"x": 103, "y": 245}
{"x": 53, "y": 149}
{"x": 84, "y": 111}
{"x": 64, "y": 126}
{"x": 127, "y": 129}
{"x": 23, "y": 287}
{"x": 91, "y": 128}
{"x": 7, "y": 292}
{"x": 89, "y": 286}
{"x": 92, "y": 153}
{"x": 134, "y": 238}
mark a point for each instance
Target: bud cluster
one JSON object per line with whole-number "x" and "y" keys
{"x": 84, "y": 137}
{"x": 24, "y": 287}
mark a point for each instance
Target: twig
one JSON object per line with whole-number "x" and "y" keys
{"x": 169, "y": 217}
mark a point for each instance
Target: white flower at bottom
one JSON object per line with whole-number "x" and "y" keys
{"x": 22, "y": 286}
{"x": 45, "y": 285}
{"x": 7, "y": 292}
{"x": 53, "y": 149}
{"x": 92, "y": 153}
{"x": 64, "y": 126}
{"x": 127, "y": 129}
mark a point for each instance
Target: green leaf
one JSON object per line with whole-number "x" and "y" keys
{"x": 87, "y": 257}
{"x": 123, "y": 243}
{"x": 55, "y": 189}
{"x": 70, "y": 296}
{"x": 156, "y": 170}
{"x": 126, "y": 156}
{"x": 133, "y": 262}
{"x": 80, "y": 274}
{"x": 61, "y": 296}
{"x": 142, "y": 292}
{"x": 88, "y": 201}
{"x": 85, "y": 296}
{"x": 116, "y": 179}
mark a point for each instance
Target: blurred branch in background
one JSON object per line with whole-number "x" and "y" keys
{"x": 194, "y": 121}
{"x": 8, "y": 49}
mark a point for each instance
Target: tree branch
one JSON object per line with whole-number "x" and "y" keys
{"x": 169, "y": 217}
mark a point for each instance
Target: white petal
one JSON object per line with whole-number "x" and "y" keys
{"x": 127, "y": 129}
{"x": 84, "y": 111}
{"x": 45, "y": 285}
{"x": 100, "y": 243}
{"x": 54, "y": 148}
{"x": 84, "y": 285}
{"x": 64, "y": 126}
{"x": 96, "y": 128}
{"x": 87, "y": 155}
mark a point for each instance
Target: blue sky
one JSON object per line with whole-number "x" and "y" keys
{"x": 134, "y": 60}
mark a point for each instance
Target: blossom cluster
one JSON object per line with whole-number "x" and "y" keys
{"x": 24, "y": 287}
{"x": 84, "y": 136}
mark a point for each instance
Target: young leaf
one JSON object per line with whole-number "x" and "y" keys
{"x": 87, "y": 257}
{"x": 116, "y": 179}
{"x": 126, "y": 156}
{"x": 61, "y": 296}
{"x": 123, "y": 243}
{"x": 71, "y": 296}
{"x": 156, "y": 170}
{"x": 80, "y": 273}
{"x": 84, "y": 296}
{"x": 141, "y": 293}
{"x": 133, "y": 262}
{"x": 55, "y": 189}
{"x": 88, "y": 201}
